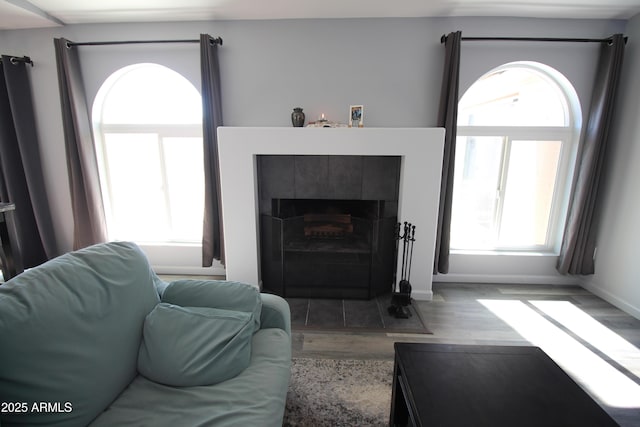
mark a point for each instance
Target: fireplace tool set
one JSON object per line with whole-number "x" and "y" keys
{"x": 401, "y": 292}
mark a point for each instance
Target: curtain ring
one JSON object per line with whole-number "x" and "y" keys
{"x": 67, "y": 44}
{"x": 13, "y": 60}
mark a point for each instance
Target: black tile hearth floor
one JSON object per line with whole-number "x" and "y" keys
{"x": 352, "y": 315}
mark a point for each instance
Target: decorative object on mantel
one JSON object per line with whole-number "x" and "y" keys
{"x": 297, "y": 117}
{"x": 356, "y": 116}
{"x": 401, "y": 294}
{"x": 322, "y": 122}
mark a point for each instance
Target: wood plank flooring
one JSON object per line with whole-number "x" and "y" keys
{"x": 594, "y": 342}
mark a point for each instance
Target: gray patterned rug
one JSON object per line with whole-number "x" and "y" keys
{"x": 331, "y": 392}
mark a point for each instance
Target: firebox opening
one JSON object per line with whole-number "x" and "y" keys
{"x": 320, "y": 225}
{"x": 328, "y": 247}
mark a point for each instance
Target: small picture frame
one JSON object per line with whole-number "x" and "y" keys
{"x": 356, "y": 116}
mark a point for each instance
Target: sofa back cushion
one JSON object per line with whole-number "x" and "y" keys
{"x": 70, "y": 331}
{"x": 223, "y": 294}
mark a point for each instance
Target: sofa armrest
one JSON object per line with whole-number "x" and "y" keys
{"x": 275, "y": 313}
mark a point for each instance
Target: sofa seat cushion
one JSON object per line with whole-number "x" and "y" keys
{"x": 255, "y": 397}
{"x": 190, "y": 346}
{"x": 70, "y": 331}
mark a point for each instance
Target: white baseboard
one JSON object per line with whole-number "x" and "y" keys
{"x": 422, "y": 295}
{"x": 502, "y": 278}
{"x": 612, "y": 299}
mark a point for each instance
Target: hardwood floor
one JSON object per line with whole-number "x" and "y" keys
{"x": 594, "y": 342}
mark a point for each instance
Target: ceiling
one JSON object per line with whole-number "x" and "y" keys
{"x": 16, "y": 14}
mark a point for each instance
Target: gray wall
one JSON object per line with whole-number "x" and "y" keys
{"x": 617, "y": 275}
{"x": 392, "y": 66}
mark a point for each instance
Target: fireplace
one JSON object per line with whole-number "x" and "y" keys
{"x": 241, "y": 149}
{"x": 328, "y": 248}
{"x": 327, "y": 224}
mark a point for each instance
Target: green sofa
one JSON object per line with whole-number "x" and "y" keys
{"x": 94, "y": 337}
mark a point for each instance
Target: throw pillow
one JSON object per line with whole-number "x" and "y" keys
{"x": 192, "y": 346}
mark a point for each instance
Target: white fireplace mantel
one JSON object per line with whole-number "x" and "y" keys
{"x": 421, "y": 152}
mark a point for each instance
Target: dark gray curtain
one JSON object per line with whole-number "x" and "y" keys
{"x": 82, "y": 167}
{"x": 21, "y": 179}
{"x": 447, "y": 118}
{"x": 579, "y": 240}
{"x": 212, "y": 233}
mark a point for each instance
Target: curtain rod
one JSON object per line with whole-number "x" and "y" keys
{"x": 532, "y": 39}
{"x": 16, "y": 59}
{"x": 216, "y": 40}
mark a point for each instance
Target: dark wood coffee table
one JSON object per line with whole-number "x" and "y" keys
{"x": 477, "y": 385}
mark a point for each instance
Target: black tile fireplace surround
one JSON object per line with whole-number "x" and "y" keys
{"x": 327, "y": 224}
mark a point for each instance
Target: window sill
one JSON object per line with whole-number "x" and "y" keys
{"x": 170, "y": 244}
{"x": 530, "y": 253}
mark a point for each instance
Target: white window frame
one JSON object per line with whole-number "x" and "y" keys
{"x": 161, "y": 131}
{"x": 569, "y": 138}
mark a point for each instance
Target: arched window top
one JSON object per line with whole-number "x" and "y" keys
{"x": 519, "y": 94}
{"x": 148, "y": 94}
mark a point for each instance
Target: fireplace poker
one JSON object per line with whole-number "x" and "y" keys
{"x": 411, "y": 241}
{"x": 404, "y": 250}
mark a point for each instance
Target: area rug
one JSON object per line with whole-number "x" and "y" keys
{"x": 331, "y": 392}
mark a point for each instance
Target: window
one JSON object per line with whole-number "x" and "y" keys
{"x": 517, "y": 134}
{"x": 148, "y": 126}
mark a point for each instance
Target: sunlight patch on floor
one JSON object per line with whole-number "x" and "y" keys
{"x": 593, "y": 332}
{"x": 604, "y": 381}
